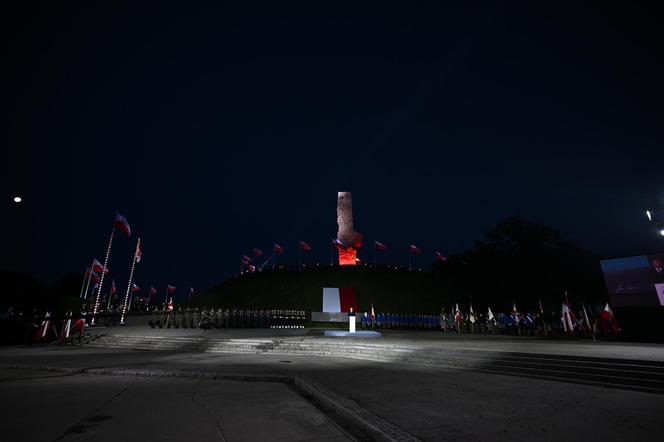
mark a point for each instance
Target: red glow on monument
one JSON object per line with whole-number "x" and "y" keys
{"x": 350, "y": 239}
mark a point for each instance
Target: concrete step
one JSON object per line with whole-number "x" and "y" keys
{"x": 643, "y": 375}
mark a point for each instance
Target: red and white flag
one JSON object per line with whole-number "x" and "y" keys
{"x": 257, "y": 252}
{"x": 566, "y": 318}
{"x": 245, "y": 260}
{"x": 251, "y": 268}
{"x": 122, "y": 224}
{"x": 113, "y": 290}
{"x": 135, "y": 288}
{"x": 98, "y": 267}
{"x": 337, "y": 300}
{"x": 45, "y": 328}
{"x": 609, "y": 319}
{"x": 373, "y": 313}
{"x": 440, "y": 257}
{"x": 153, "y": 291}
{"x": 337, "y": 243}
{"x": 457, "y": 314}
{"x": 380, "y": 246}
{"x": 515, "y": 313}
{"x": 64, "y": 332}
{"x": 414, "y": 249}
{"x": 93, "y": 276}
{"x": 277, "y": 248}
{"x": 304, "y": 246}
{"x": 170, "y": 289}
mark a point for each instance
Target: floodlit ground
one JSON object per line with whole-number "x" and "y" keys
{"x": 429, "y": 403}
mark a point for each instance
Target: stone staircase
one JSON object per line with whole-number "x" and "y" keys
{"x": 647, "y": 376}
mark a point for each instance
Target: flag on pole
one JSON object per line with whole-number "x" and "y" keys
{"x": 566, "y": 317}
{"x": 251, "y": 268}
{"x": 93, "y": 276}
{"x": 457, "y": 314}
{"x": 245, "y": 259}
{"x": 515, "y": 313}
{"x": 122, "y": 224}
{"x": 97, "y": 266}
{"x": 304, "y": 246}
{"x": 471, "y": 314}
{"x": 277, "y": 248}
{"x": 257, "y": 252}
{"x": 135, "y": 288}
{"x": 337, "y": 243}
{"x": 380, "y": 246}
{"x": 587, "y": 319}
{"x": 113, "y": 290}
{"x": 191, "y": 292}
{"x": 170, "y": 305}
{"x": 170, "y": 289}
{"x": 489, "y": 315}
{"x": 373, "y": 313}
{"x": 609, "y": 319}
{"x": 440, "y": 257}
{"x": 414, "y": 249}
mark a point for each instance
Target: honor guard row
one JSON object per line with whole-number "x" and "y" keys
{"x": 206, "y": 318}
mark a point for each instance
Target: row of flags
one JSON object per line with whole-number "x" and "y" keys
{"x": 569, "y": 321}
{"x": 97, "y": 271}
{"x": 248, "y": 262}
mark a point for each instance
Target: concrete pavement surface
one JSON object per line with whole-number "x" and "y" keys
{"x": 429, "y": 403}
{"x": 51, "y": 406}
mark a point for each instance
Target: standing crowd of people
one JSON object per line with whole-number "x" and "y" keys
{"x": 208, "y": 318}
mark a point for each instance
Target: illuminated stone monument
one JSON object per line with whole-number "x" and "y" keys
{"x": 350, "y": 240}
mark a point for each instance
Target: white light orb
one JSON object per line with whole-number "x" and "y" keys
{"x": 18, "y": 199}
{"x": 661, "y": 232}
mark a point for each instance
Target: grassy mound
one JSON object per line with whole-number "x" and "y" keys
{"x": 389, "y": 289}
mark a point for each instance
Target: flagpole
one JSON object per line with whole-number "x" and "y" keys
{"x": 103, "y": 272}
{"x": 86, "y": 278}
{"x": 87, "y": 285}
{"x": 108, "y": 306}
{"x": 129, "y": 288}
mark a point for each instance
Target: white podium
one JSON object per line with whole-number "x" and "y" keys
{"x": 351, "y": 324}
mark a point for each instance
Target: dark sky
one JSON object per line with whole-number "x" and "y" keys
{"x": 215, "y": 130}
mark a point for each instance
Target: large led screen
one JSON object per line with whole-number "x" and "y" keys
{"x": 635, "y": 280}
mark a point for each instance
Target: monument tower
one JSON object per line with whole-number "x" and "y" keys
{"x": 349, "y": 241}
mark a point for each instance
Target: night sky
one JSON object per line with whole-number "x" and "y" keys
{"x": 215, "y": 130}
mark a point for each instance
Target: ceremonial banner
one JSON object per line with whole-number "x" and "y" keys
{"x": 337, "y": 300}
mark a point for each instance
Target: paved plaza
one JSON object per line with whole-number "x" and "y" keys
{"x": 97, "y": 393}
